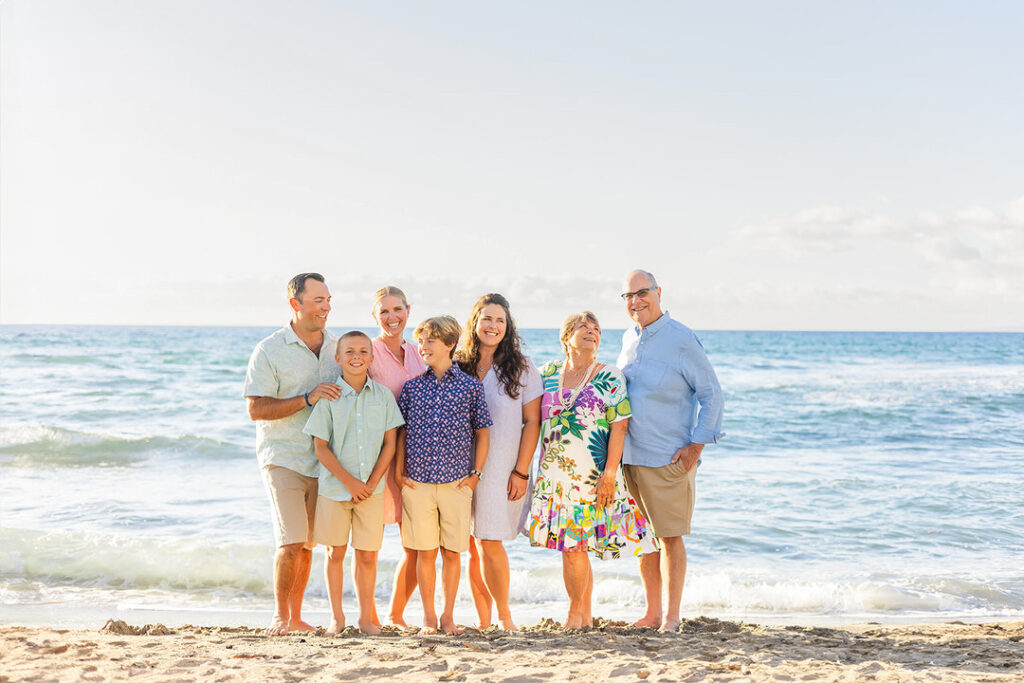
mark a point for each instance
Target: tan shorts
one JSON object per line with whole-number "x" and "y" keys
{"x": 436, "y": 515}
{"x": 292, "y": 505}
{"x": 335, "y": 518}
{"x": 665, "y": 496}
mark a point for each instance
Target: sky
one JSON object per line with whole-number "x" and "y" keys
{"x": 789, "y": 165}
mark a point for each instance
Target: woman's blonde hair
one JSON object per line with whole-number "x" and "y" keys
{"x": 389, "y": 290}
{"x": 570, "y": 325}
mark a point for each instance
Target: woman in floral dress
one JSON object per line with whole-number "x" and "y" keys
{"x": 580, "y": 503}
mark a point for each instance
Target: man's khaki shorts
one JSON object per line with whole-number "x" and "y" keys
{"x": 436, "y": 515}
{"x": 335, "y": 518}
{"x": 292, "y": 505}
{"x": 665, "y": 496}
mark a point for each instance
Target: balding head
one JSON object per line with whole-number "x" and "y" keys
{"x": 647, "y": 275}
{"x": 643, "y": 297}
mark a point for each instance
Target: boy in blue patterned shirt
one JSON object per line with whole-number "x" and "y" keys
{"x": 438, "y": 466}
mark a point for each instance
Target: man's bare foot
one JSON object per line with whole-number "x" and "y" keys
{"x": 335, "y": 628}
{"x": 506, "y": 623}
{"x": 648, "y": 621}
{"x": 368, "y": 627}
{"x": 301, "y": 626}
{"x": 449, "y": 628}
{"x": 669, "y": 626}
{"x": 278, "y": 627}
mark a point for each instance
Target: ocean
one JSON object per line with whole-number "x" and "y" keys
{"x": 864, "y": 477}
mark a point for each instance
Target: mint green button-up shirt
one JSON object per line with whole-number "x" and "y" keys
{"x": 354, "y": 426}
{"x": 282, "y": 366}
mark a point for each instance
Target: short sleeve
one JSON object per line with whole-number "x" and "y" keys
{"x": 480, "y": 416}
{"x": 321, "y": 422}
{"x": 392, "y": 416}
{"x": 261, "y": 377}
{"x": 403, "y": 400}
{"x": 616, "y": 399}
{"x": 533, "y": 385}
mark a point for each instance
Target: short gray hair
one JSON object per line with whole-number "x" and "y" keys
{"x": 649, "y": 275}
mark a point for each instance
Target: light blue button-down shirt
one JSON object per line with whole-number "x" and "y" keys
{"x": 282, "y": 366}
{"x": 673, "y": 391}
{"x": 353, "y": 425}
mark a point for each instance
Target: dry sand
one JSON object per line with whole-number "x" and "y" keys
{"x": 702, "y": 650}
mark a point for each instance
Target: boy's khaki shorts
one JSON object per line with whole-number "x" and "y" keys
{"x": 436, "y": 515}
{"x": 335, "y": 518}
{"x": 292, "y": 505}
{"x": 665, "y": 495}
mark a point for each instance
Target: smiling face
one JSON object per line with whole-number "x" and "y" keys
{"x": 354, "y": 355}
{"x": 491, "y": 325}
{"x": 312, "y": 306}
{"x": 391, "y": 314}
{"x": 585, "y": 338}
{"x": 643, "y": 299}
{"x": 434, "y": 352}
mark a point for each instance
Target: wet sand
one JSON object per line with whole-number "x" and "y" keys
{"x": 702, "y": 650}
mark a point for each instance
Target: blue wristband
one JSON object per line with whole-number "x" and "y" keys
{"x": 306, "y": 396}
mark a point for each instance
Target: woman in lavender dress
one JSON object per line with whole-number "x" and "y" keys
{"x": 490, "y": 351}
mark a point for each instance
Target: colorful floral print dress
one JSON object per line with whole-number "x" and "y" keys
{"x": 574, "y": 449}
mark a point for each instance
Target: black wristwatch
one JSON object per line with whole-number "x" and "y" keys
{"x": 478, "y": 473}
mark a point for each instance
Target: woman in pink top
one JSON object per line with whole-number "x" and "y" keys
{"x": 395, "y": 361}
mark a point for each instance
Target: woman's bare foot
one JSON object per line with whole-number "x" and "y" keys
{"x": 573, "y": 621}
{"x": 449, "y": 628}
{"x": 506, "y": 623}
{"x": 278, "y": 627}
{"x": 335, "y": 628}
{"x": 301, "y": 626}
{"x": 368, "y": 627}
{"x": 648, "y": 621}
{"x": 429, "y": 627}
{"x": 399, "y": 622}
{"x": 670, "y": 626}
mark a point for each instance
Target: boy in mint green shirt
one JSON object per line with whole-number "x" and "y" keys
{"x": 354, "y": 440}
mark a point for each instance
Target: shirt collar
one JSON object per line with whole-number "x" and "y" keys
{"x": 289, "y": 335}
{"x": 451, "y": 372}
{"x": 291, "y": 338}
{"x": 653, "y": 328}
{"x": 347, "y": 390}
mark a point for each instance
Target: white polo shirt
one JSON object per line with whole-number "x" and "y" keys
{"x": 282, "y": 366}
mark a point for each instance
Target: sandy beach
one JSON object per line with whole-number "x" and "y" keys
{"x": 702, "y": 650}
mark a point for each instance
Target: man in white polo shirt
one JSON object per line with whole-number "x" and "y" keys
{"x": 287, "y": 375}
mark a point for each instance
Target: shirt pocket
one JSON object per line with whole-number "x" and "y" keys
{"x": 649, "y": 373}
{"x": 375, "y": 415}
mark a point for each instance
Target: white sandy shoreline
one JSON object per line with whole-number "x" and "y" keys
{"x": 703, "y": 649}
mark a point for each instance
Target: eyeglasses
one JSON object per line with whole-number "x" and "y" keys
{"x": 638, "y": 294}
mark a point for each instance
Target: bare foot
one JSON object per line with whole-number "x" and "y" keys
{"x": 670, "y": 626}
{"x": 335, "y": 628}
{"x": 368, "y": 627}
{"x": 506, "y": 623}
{"x": 573, "y": 621}
{"x": 449, "y": 627}
{"x": 398, "y": 621}
{"x": 483, "y": 625}
{"x": 278, "y": 627}
{"x": 647, "y": 621}
{"x": 300, "y": 625}
{"x": 429, "y": 626}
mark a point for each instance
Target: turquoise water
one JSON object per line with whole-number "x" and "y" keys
{"x": 864, "y": 476}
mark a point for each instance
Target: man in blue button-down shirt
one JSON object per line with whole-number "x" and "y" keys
{"x": 677, "y": 409}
